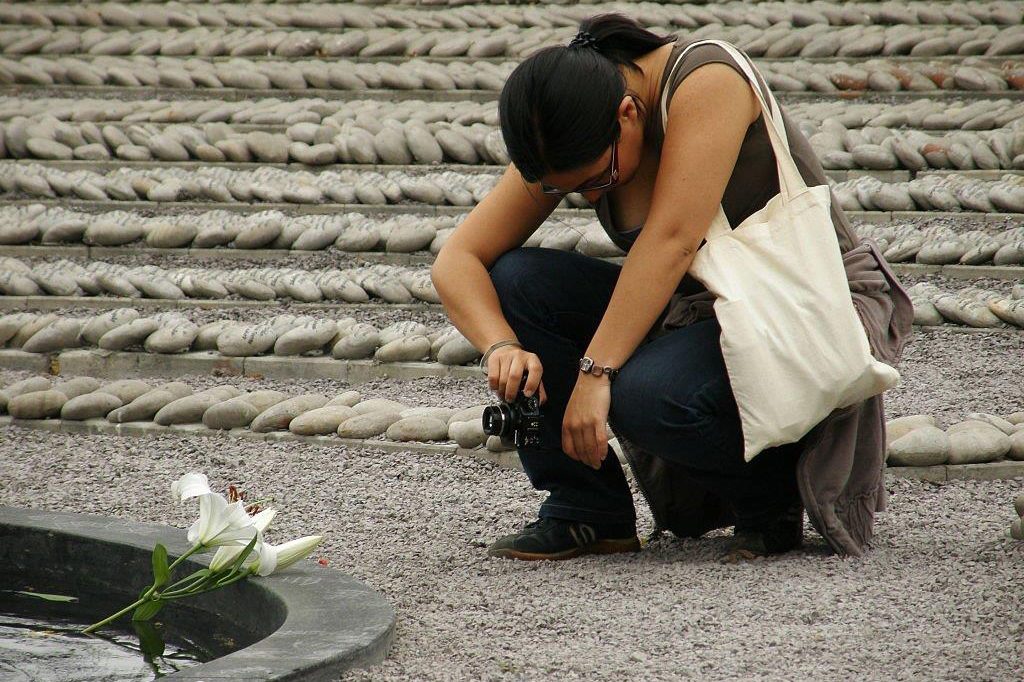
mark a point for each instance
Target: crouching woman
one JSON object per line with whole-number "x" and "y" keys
{"x": 637, "y": 345}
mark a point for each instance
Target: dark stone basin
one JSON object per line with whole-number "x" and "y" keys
{"x": 306, "y": 623}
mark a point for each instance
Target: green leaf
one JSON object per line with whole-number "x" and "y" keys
{"x": 149, "y": 609}
{"x": 150, "y": 641}
{"x": 237, "y": 563}
{"x": 161, "y": 573}
{"x": 47, "y": 597}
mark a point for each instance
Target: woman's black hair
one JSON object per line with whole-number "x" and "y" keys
{"x": 558, "y": 107}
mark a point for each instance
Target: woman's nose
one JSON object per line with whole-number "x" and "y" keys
{"x": 593, "y": 197}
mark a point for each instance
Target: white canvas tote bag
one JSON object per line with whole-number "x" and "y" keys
{"x": 793, "y": 343}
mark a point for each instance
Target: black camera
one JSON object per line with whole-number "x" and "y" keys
{"x": 519, "y": 421}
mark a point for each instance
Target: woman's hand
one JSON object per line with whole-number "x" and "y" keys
{"x": 584, "y": 437}
{"x": 505, "y": 369}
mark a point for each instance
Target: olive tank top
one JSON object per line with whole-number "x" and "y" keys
{"x": 754, "y": 180}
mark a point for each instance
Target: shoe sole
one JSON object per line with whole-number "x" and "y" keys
{"x": 599, "y": 547}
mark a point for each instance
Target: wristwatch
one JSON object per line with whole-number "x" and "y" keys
{"x": 587, "y": 366}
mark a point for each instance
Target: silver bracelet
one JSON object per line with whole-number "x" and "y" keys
{"x": 495, "y": 346}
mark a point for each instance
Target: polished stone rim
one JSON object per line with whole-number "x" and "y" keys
{"x": 332, "y": 622}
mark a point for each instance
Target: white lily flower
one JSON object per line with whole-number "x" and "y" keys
{"x": 228, "y": 553}
{"x": 190, "y": 485}
{"x": 220, "y": 523}
{"x": 273, "y": 558}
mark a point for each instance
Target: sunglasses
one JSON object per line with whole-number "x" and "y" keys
{"x": 612, "y": 174}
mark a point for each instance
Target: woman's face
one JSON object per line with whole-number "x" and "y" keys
{"x": 627, "y": 150}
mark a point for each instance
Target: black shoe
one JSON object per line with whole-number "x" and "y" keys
{"x": 782, "y": 534}
{"x": 550, "y": 538}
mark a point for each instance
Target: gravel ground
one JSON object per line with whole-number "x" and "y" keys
{"x": 938, "y": 598}
{"x": 949, "y": 374}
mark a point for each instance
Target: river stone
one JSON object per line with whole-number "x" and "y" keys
{"x": 360, "y": 342}
{"x": 238, "y": 412}
{"x": 1017, "y": 418}
{"x": 190, "y": 409}
{"x": 36, "y": 405}
{"x": 442, "y": 413}
{"x": 78, "y": 386}
{"x": 12, "y": 324}
{"x": 496, "y": 444}
{"x": 54, "y": 337}
{"x": 367, "y": 425}
{"x": 95, "y": 405}
{"x": 308, "y": 337}
{"x": 468, "y": 434}
{"x": 30, "y": 328}
{"x": 108, "y": 233}
{"x": 246, "y": 340}
{"x": 257, "y": 235}
{"x": 321, "y": 421}
{"x": 995, "y": 420}
{"x": 417, "y": 428}
{"x": 101, "y": 324}
{"x": 268, "y": 147}
{"x": 177, "y": 338}
{"x": 474, "y": 413}
{"x": 127, "y": 335}
{"x": 170, "y": 235}
{"x": 456, "y": 146}
{"x": 147, "y": 405}
{"x": 410, "y": 238}
{"x": 379, "y": 405}
{"x": 924, "y": 446}
{"x": 941, "y": 252}
{"x": 49, "y": 150}
{"x": 280, "y": 415}
{"x": 398, "y": 330}
{"x": 408, "y": 349}
{"x": 30, "y": 385}
{"x": 974, "y": 445}
{"x": 347, "y": 398}
{"x": 425, "y": 149}
{"x": 458, "y": 351}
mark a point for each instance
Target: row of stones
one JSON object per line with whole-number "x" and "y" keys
{"x": 811, "y": 117}
{"x": 367, "y": 140}
{"x": 314, "y": 144}
{"x": 221, "y": 184}
{"x": 783, "y": 40}
{"x": 880, "y": 75}
{"x": 286, "y": 335}
{"x": 360, "y": 234}
{"x": 932, "y": 193}
{"x": 917, "y": 441}
{"x": 348, "y": 415}
{"x": 971, "y": 306}
{"x": 381, "y": 282}
{"x": 875, "y": 148}
{"x": 941, "y": 245}
{"x": 344, "y": 15}
{"x": 264, "y": 184}
{"x": 346, "y": 232}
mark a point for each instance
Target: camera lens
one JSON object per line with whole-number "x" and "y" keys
{"x": 497, "y": 420}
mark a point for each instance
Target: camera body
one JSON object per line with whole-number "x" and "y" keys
{"x": 519, "y": 421}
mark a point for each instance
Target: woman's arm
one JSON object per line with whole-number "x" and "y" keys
{"x": 507, "y": 216}
{"x": 708, "y": 119}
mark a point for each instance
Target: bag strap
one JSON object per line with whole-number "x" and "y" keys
{"x": 790, "y": 180}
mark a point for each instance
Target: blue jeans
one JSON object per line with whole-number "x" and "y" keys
{"x": 672, "y": 397}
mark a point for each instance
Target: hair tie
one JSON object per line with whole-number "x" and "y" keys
{"x": 583, "y": 39}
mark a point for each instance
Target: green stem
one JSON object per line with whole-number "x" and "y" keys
{"x": 145, "y": 596}
{"x": 170, "y": 569}
{"x": 110, "y": 619}
{"x": 221, "y": 583}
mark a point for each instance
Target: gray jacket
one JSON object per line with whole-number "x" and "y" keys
{"x": 840, "y": 471}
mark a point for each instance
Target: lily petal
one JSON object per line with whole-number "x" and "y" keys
{"x": 275, "y": 558}
{"x": 190, "y": 485}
